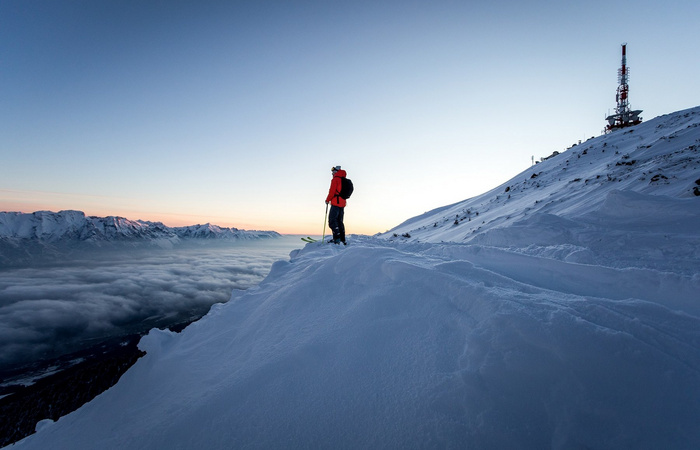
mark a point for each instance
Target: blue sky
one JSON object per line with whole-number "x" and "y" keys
{"x": 233, "y": 112}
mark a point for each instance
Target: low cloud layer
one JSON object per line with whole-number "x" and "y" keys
{"x": 56, "y": 309}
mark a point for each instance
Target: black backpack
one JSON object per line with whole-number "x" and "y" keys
{"x": 346, "y": 188}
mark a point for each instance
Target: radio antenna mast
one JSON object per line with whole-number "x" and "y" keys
{"x": 624, "y": 116}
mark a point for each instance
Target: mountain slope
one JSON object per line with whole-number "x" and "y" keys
{"x": 50, "y": 227}
{"x": 658, "y": 157}
{"x": 571, "y": 319}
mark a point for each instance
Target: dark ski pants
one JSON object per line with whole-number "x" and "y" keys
{"x": 335, "y": 221}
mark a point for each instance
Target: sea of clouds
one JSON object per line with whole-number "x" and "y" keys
{"x": 51, "y": 309}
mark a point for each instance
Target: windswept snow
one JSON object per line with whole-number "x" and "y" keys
{"x": 660, "y": 157}
{"x": 565, "y": 314}
{"x": 413, "y": 346}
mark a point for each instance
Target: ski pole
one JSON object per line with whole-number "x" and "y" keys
{"x": 324, "y": 224}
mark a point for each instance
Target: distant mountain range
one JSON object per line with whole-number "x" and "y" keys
{"x": 46, "y": 233}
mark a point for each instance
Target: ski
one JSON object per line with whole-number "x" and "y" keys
{"x": 309, "y": 239}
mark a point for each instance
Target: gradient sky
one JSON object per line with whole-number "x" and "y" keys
{"x": 233, "y": 112}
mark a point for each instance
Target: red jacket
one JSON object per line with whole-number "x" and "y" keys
{"x": 333, "y": 192}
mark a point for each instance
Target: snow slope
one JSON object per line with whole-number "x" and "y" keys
{"x": 570, "y": 319}
{"x": 660, "y": 157}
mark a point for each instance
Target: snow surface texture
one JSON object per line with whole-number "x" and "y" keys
{"x": 570, "y": 319}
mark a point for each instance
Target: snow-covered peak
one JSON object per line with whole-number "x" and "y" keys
{"x": 658, "y": 157}
{"x": 206, "y": 230}
{"x": 210, "y": 231}
{"x": 44, "y": 225}
{"x": 51, "y": 227}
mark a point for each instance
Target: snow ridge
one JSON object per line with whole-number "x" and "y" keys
{"x": 660, "y": 157}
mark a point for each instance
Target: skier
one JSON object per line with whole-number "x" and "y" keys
{"x": 335, "y": 216}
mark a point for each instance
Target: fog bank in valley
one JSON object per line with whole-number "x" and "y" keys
{"x": 52, "y": 308}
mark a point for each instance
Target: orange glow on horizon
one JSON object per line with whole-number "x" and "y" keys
{"x": 181, "y": 220}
